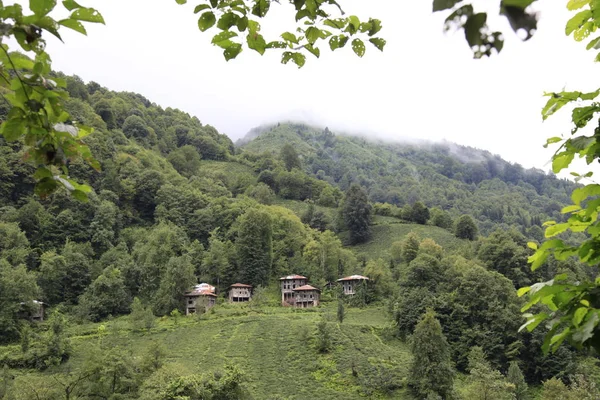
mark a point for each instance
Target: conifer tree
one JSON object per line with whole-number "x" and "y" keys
{"x": 356, "y": 213}
{"x": 516, "y": 378}
{"x": 431, "y": 371}
{"x": 410, "y": 247}
{"x": 255, "y": 247}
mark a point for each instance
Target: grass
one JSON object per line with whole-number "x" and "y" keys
{"x": 386, "y": 232}
{"x": 274, "y": 347}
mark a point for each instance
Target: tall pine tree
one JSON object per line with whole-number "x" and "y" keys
{"x": 356, "y": 213}
{"x": 255, "y": 247}
{"x": 431, "y": 372}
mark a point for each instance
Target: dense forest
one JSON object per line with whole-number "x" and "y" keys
{"x": 177, "y": 203}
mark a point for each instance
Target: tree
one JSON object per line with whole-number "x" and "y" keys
{"x": 356, "y": 214}
{"x": 441, "y": 218}
{"x": 555, "y": 389}
{"x": 17, "y": 285}
{"x": 105, "y": 296}
{"x": 254, "y": 246}
{"x": 323, "y": 340}
{"x": 177, "y": 279}
{"x": 185, "y": 160}
{"x": 419, "y": 213}
{"x": 341, "y": 313}
{"x": 484, "y": 382}
{"x": 410, "y": 247}
{"x": 465, "y": 228}
{"x": 517, "y": 380}
{"x": 290, "y": 157}
{"x": 431, "y": 370}
{"x": 141, "y": 316}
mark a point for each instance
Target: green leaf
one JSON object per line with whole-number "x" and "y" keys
{"x": 378, "y": 42}
{"x": 242, "y": 24}
{"x": 338, "y": 23}
{"x": 88, "y": 15}
{"x": 359, "y": 47}
{"x": 180, "y": 2}
{"x": 223, "y": 39}
{"x": 13, "y": 129}
{"x": 562, "y": 161}
{"x": 261, "y": 8}
{"x": 313, "y": 50}
{"x": 573, "y": 5}
{"x": 577, "y": 21}
{"x": 206, "y": 21}
{"x": 73, "y": 24}
{"x": 70, "y": 4}
{"x": 41, "y": 173}
{"x": 556, "y": 229}
{"x": 375, "y": 26}
{"x": 256, "y": 42}
{"x": 534, "y": 321}
{"x": 298, "y": 58}
{"x": 227, "y": 20}
{"x": 579, "y": 314}
{"x": 557, "y": 340}
{"x": 312, "y": 34}
{"x": 45, "y": 187}
{"x": 41, "y": 7}
{"x": 290, "y": 37}
{"x": 586, "y": 331}
{"x": 440, "y": 5}
{"x": 79, "y": 195}
{"x": 232, "y": 51}
{"x": 593, "y": 44}
{"x": 200, "y": 7}
{"x": 523, "y": 290}
{"x": 570, "y": 209}
{"x": 580, "y": 194}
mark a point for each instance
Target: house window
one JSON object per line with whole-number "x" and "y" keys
{"x": 190, "y": 302}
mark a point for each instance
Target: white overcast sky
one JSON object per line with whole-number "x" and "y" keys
{"x": 424, "y": 85}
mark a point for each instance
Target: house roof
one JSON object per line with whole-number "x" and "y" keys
{"x": 241, "y": 285}
{"x": 203, "y": 289}
{"x": 353, "y": 278}
{"x": 305, "y": 288}
{"x": 290, "y": 277}
{"x": 195, "y": 293}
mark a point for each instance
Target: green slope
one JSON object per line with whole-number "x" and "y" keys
{"x": 383, "y": 235}
{"x": 274, "y": 348}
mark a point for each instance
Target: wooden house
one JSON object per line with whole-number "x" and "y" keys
{"x": 202, "y": 295}
{"x": 306, "y": 296}
{"x": 288, "y": 284}
{"x": 239, "y": 292}
{"x": 33, "y": 311}
{"x": 350, "y": 283}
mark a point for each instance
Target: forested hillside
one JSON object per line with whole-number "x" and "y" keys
{"x": 459, "y": 179}
{"x": 440, "y": 229}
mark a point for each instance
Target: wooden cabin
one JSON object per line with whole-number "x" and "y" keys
{"x": 202, "y": 295}
{"x": 33, "y": 311}
{"x": 349, "y": 283}
{"x": 239, "y": 292}
{"x": 288, "y": 284}
{"x": 306, "y": 296}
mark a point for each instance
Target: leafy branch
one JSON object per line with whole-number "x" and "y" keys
{"x": 36, "y": 117}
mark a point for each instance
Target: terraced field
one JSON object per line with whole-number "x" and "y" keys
{"x": 275, "y": 349}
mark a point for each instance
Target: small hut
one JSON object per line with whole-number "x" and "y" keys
{"x": 288, "y": 284}
{"x": 202, "y": 295}
{"x": 33, "y": 311}
{"x": 239, "y": 292}
{"x": 349, "y": 283}
{"x": 306, "y": 296}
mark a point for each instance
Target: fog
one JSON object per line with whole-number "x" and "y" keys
{"x": 425, "y": 85}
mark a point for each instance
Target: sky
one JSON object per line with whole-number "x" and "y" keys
{"x": 425, "y": 85}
